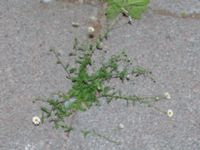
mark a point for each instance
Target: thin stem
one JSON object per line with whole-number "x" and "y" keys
{"x": 132, "y": 98}
{"x": 135, "y": 98}
{"x": 94, "y": 133}
{"x": 61, "y": 63}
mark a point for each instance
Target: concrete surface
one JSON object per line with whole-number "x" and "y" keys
{"x": 168, "y": 46}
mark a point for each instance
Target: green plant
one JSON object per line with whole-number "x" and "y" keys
{"x": 132, "y": 8}
{"x": 89, "y": 86}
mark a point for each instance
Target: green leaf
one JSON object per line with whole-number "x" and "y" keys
{"x": 139, "y": 71}
{"x": 44, "y": 109}
{"x": 133, "y": 8}
{"x": 85, "y": 133}
{"x": 72, "y": 70}
{"x": 123, "y": 74}
{"x": 113, "y": 11}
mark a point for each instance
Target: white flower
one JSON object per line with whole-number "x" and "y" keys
{"x": 36, "y": 120}
{"x": 121, "y": 126}
{"x": 170, "y": 113}
{"x": 91, "y": 30}
{"x": 167, "y": 95}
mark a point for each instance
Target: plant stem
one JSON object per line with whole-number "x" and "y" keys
{"x": 94, "y": 133}
{"x": 61, "y": 63}
{"x": 134, "y": 98}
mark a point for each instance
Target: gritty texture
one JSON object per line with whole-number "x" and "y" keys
{"x": 167, "y": 46}
{"x": 179, "y": 6}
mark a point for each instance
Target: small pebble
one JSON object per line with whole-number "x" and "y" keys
{"x": 128, "y": 77}
{"x": 45, "y": 1}
{"x": 121, "y": 126}
{"x": 75, "y": 24}
{"x": 167, "y": 95}
{"x": 93, "y": 18}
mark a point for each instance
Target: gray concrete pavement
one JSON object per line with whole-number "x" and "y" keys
{"x": 168, "y": 46}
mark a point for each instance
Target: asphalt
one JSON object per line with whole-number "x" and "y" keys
{"x": 165, "y": 44}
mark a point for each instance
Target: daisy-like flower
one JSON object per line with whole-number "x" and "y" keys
{"x": 36, "y": 120}
{"x": 91, "y": 30}
{"x": 170, "y": 113}
{"x": 167, "y": 95}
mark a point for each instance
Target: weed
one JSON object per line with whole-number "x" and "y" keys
{"x": 88, "y": 87}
